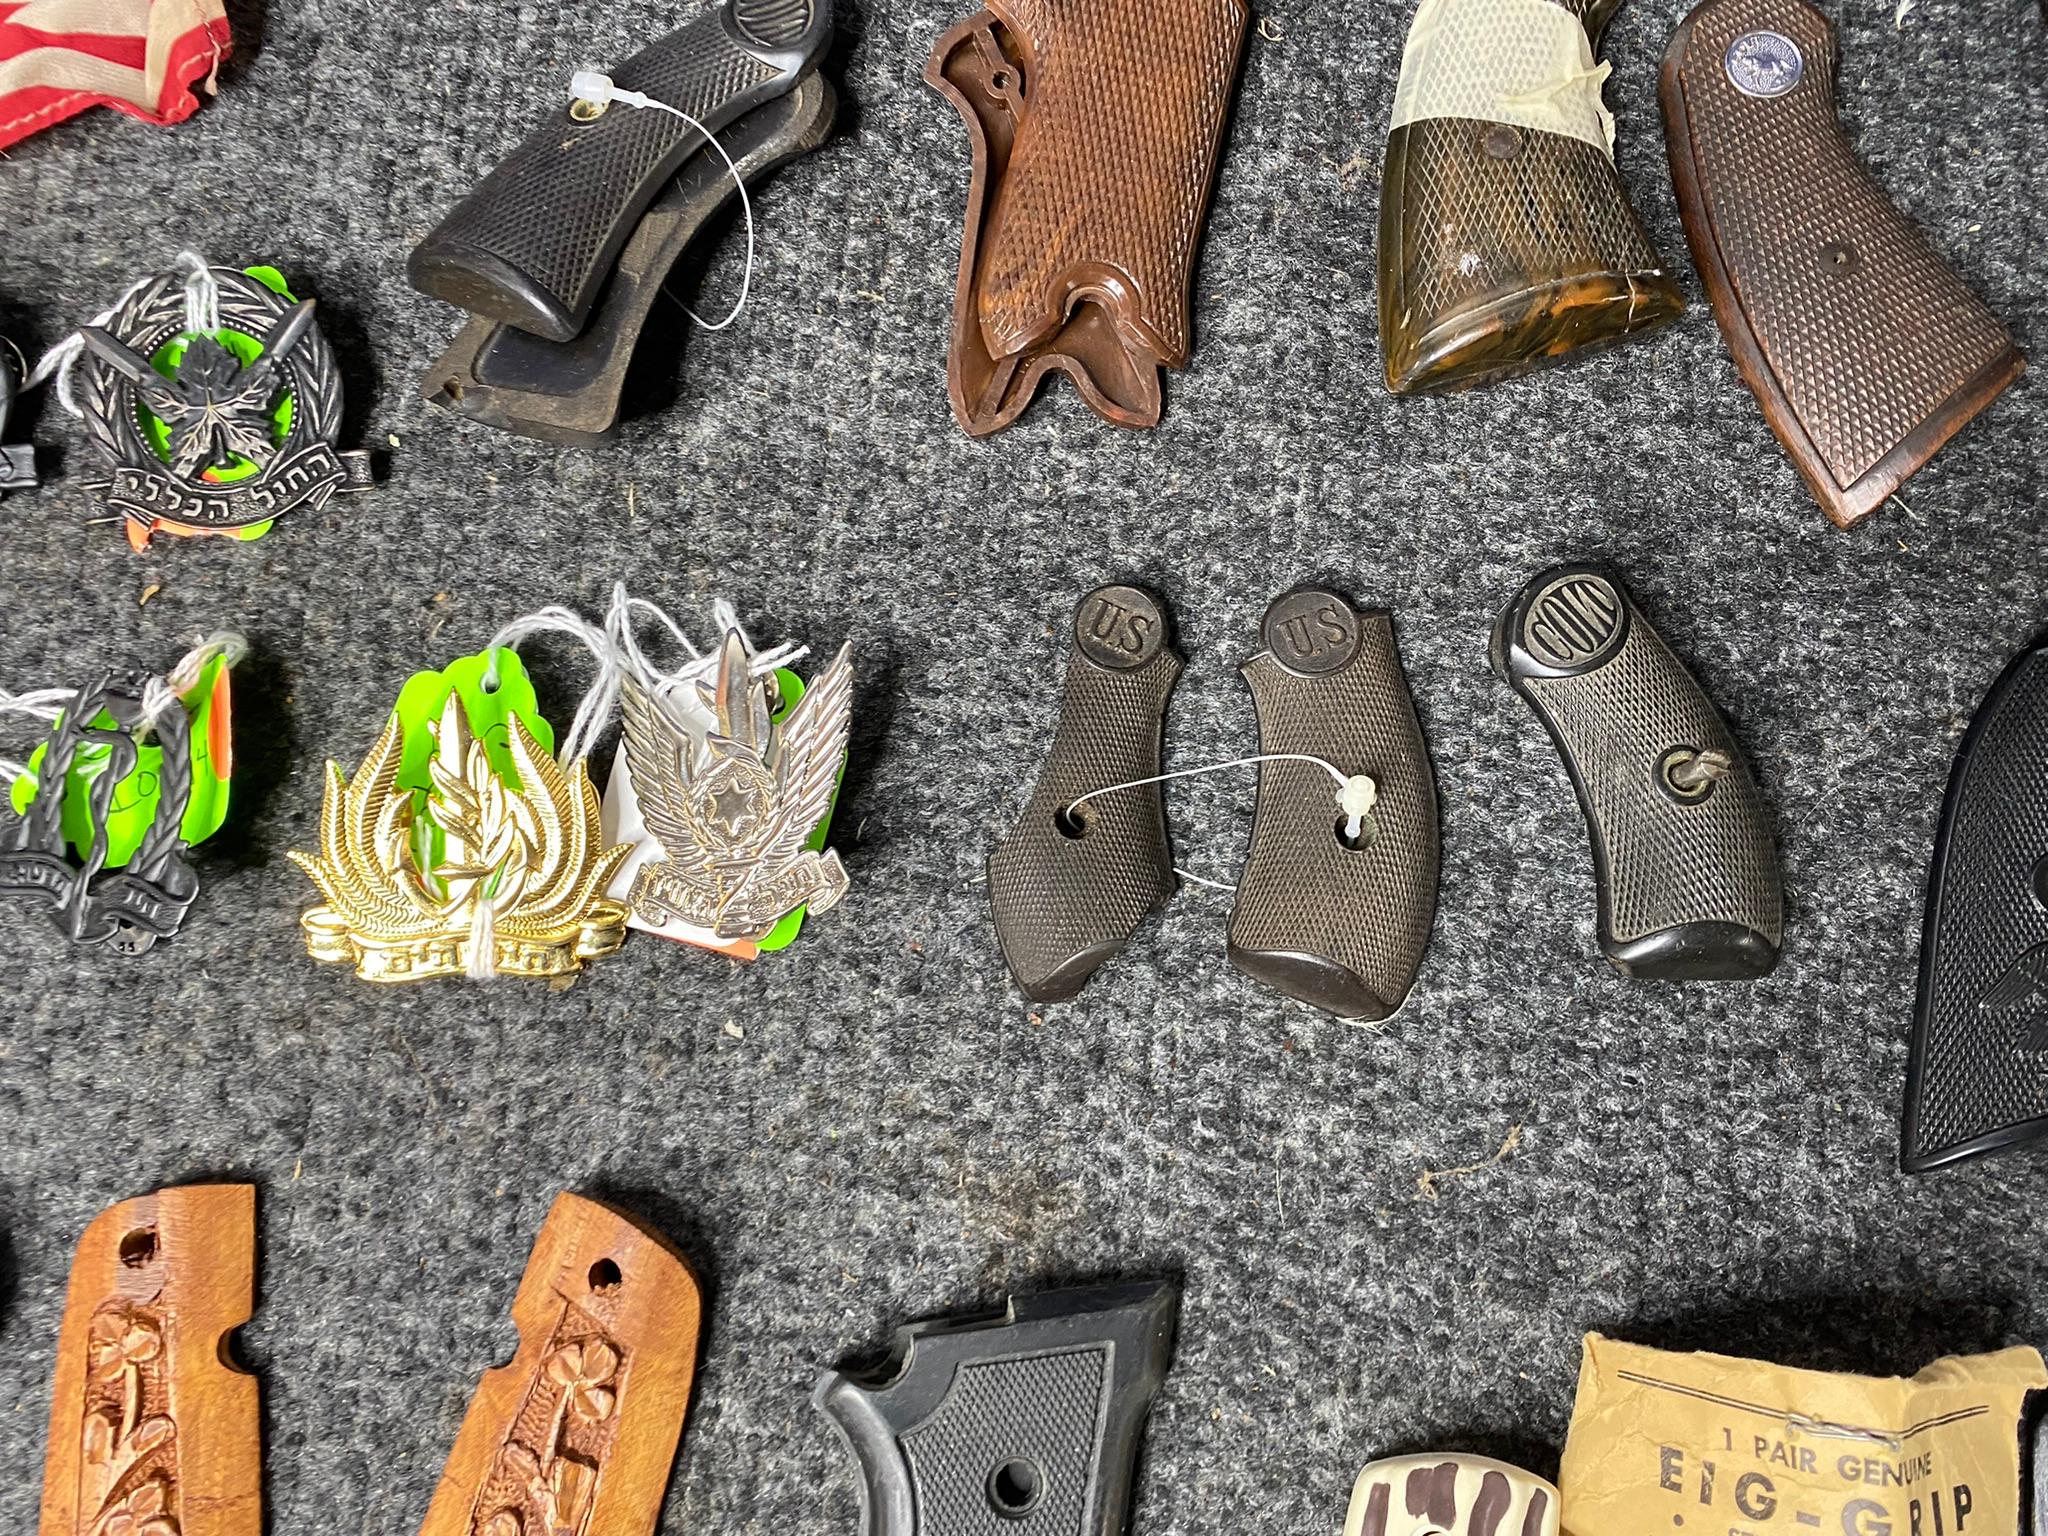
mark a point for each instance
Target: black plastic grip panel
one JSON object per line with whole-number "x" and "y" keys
{"x": 1977, "y": 1079}
{"x": 1028, "y": 1423}
{"x": 533, "y": 243}
{"x": 1682, "y": 851}
{"x": 1337, "y": 922}
{"x": 569, "y": 391}
{"x": 1068, "y": 885}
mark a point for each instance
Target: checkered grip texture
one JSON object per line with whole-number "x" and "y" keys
{"x": 1864, "y": 352}
{"x": 1462, "y": 230}
{"x": 1057, "y": 897}
{"x": 560, "y": 207}
{"x": 1980, "y": 1057}
{"x": 1666, "y": 863}
{"x": 1302, "y": 890}
{"x": 1110, "y": 173}
{"x": 1467, "y": 230}
{"x": 1045, "y": 1409}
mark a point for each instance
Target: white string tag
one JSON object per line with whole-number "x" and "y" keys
{"x": 202, "y": 317}
{"x": 594, "y": 91}
{"x": 1357, "y": 794}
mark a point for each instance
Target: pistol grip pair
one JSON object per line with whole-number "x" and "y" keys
{"x": 1687, "y": 872}
{"x": 558, "y": 253}
{"x": 1335, "y": 919}
{"x": 1505, "y": 237}
{"x": 1095, "y": 127}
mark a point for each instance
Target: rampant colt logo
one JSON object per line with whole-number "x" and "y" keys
{"x": 1764, "y": 64}
{"x": 214, "y": 442}
{"x": 734, "y": 815}
{"x": 2023, "y": 986}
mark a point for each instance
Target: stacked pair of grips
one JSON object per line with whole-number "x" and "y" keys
{"x": 1505, "y": 245}
{"x": 1338, "y": 915}
{"x": 559, "y": 253}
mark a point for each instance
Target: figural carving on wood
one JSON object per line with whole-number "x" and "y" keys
{"x": 152, "y": 1432}
{"x": 576, "y": 1436}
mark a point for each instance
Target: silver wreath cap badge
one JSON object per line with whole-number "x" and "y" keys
{"x": 227, "y": 434}
{"x": 734, "y": 814}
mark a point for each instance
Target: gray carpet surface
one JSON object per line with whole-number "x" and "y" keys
{"x": 875, "y": 1125}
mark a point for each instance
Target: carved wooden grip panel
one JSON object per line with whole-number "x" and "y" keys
{"x": 152, "y": 1433}
{"x": 1095, "y": 127}
{"x": 1865, "y": 350}
{"x": 576, "y": 1436}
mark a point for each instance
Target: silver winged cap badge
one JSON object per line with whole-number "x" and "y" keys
{"x": 733, "y": 803}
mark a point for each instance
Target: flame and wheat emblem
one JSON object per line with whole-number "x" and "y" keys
{"x": 514, "y": 887}
{"x": 734, "y": 816}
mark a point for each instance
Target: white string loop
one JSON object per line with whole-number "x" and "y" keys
{"x": 596, "y": 89}
{"x": 664, "y": 685}
{"x": 202, "y": 316}
{"x": 40, "y": 704}
{"x": 595, "y": 711}
{"x": 1357, "y": 793}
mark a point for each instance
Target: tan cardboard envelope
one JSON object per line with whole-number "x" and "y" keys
{"x": 1709, "y": 1445}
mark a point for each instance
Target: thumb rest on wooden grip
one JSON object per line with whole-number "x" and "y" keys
{"x": 152, "y": 1430}
{"x": 578, "y": 1433}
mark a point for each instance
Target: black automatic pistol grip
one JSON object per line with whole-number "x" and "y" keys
{"x": 1977, "y": 1078}
{"x": 1682, "y": 851}
{"x": 1335, "y": 920}
{"x": 1029, "y": 1422}
{"x": 1070, "y": 882}
{"x": 533, "y": 243}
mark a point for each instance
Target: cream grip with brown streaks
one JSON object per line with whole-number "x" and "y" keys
{"x": 1450, "y": 1495}
{"x": 152, "y": 1431}
{"x": 577, "y": 1435}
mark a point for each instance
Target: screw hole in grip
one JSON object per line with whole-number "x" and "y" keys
{"x": 1015, "y": 1487}
{"x": 605, "y": 1277}
{"x": 138, "y": 1248}
{"x": 1074, "y": 820}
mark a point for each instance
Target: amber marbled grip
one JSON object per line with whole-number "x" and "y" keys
{"x": 1503, "y": 247}
{"x": 153, "y": 1429}
{"x": 1865, "y": 350}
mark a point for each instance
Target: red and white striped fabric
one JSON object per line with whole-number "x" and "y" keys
{"x": 58, "y": 57}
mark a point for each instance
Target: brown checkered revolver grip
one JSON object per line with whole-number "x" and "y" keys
{"x": 1095, "y": 128}
{"x": 1865, "y": 350}
{"x": 1506, "y": 239}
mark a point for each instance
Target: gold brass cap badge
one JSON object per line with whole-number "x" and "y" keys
{"x": 478, "y": 876}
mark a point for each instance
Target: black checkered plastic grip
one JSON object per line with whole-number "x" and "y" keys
{"x": 1978, "y": 1079}
{"x": 532, "y": 245}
